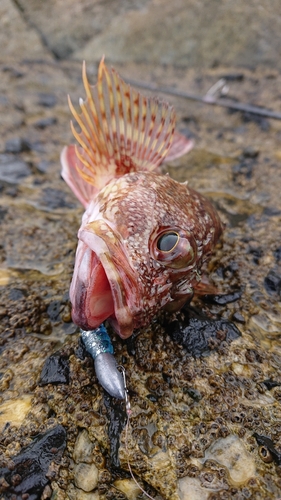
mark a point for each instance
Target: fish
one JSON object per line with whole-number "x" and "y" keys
{"x": 144, "y": 237}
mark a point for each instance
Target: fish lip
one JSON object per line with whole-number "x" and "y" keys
{"x": 109, "y": 248}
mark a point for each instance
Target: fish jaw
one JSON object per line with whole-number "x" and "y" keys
{"x": 104, "y": 285}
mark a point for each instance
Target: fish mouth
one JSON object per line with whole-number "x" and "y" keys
{"x": 104, "y": 284}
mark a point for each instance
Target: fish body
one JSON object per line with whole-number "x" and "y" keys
{"x": 144, "y": 237}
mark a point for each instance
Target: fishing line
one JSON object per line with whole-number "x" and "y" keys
{"x": 129, "y": 413}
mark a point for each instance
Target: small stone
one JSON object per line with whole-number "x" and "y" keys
{"x": 43, "y": 166}
{"x": 55, "y": 370}
{"x": 189, "y": 488}
{"x": 250, "y": 152}
{"x": 129, "y": 487}
{"x": 45, "y": 122}
{"x": 47, "y": 100}
{"x": 232, "y": 454}
{"x": 237, "y": 316}
{"x": 16, "y": 145}
{"x": 13, "y": 170}
{"x": 14, "y": 412}
{"x": 86, "y": 477}
{"x": 83, "y": 449}
{"x": 272, "y": 283}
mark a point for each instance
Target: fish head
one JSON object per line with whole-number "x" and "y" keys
{"x": 141, "y": 244}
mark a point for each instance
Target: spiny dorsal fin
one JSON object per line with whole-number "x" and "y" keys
{"x": 121, "y": 130}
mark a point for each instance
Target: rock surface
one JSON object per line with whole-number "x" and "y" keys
{"x": 188, "y": 413}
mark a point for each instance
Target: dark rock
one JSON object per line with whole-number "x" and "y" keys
{"x": 55, "y": 370}
{"x": 53, "y": 310}
{"x": 271, "y": 211}
{"x": 45, "y": 122}
{"x": 27, "y": 476}
{"x": 193, "y": 393}
{"x": 262, "y": 122}
{"x": 3, "y": 212}
{"x": 233, "y": 77}
{"x": 272, "y": 283}
{"x": 222, "y": 299}
{"x": 117, "y": 421}
{"x": 16, "y": 294}
{"x": 270, "y": 384}
{"x": 43, "y": 166}
{"x": 257, "y": 253}
{"x": 244, "y": 168}
{"x": 16, "y": 145}
{"x": 200, "y": 334}
{"x": 277, "y": 254}
{"x": 267, "y": 444}
{"x": 237, "y": 316}
{"x": 47, "y": 100}
{"x": 12, "y": 169}
{"x": 55, "y": 198}
{"x": 250, "y": 152}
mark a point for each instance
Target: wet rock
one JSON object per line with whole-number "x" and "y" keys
{"x": 128, "y": 487}
{"x": 86, "y": 476}
{"x": 3, "y": 212}
{"x": 53, "y": 198}
{"x": 12, "y": 169}
{"x": 244, "y": 169}
{"x": 272, "y": 283}
{"x": 237, "y": 316}
{"x": 199, "y": 334}
{"x": 189, "y": 488}
{"x": 83, "y": 449}
{"x": 16, "y": 145}
{"x": 117, "y": 421}
{"x": 270, "y": 384}
{"x": 54, "y": 309}
{"x": 55, "y": 370}
{"x": 222, "y": 300}
{"x": 232, "y": 454}
{"x": 13, "y": 413}
{"x": 250, "y": 152}
{"x": 43, "y": 166}
{"x": 277, "y": 254}
{"x": 47, "y": 100}
{"x": 267, "y": 451}
{"x": 45, "y": 122}
{"x": 16, "y": 294}
{"x": 27, "y": 476}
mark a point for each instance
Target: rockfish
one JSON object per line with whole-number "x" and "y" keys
{"x": 144, "y": 236}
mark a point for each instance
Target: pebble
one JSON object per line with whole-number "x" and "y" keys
{"x": 83, "y": 448}
{"x": 55, "y": 370}
{"x": 45, "y": 122}
{"x": 189, "y": 488}
{"x": 129, "y": 487}
{"x": 14, "y": 412}
{"x": 231, "y": 453}
{"x": 16, "y": 145}
{"x": 12, "y": 169}
{"x": 86, "y": 476}
{"x": 27, "y": 478}
{"x": 47, "y": 100}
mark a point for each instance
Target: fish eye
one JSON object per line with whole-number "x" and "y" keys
{"x": 168, "y": 241}
{"x": 174, "y": 247}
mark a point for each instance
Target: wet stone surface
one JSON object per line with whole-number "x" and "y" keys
{"x": 25, "y": 476}
{"x": 187, "y": 411}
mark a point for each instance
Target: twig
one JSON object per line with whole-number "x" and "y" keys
{"x": 209, "y": 99}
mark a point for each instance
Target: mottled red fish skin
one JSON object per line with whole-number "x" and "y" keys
{"x": 137, "y": 205}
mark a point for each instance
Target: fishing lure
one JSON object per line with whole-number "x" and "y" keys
{"x": 98, "y": 344}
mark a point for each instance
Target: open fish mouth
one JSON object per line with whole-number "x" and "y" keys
{"x": 104, "y": 284}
